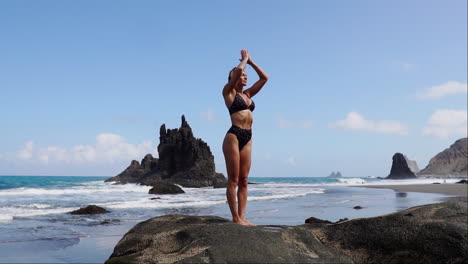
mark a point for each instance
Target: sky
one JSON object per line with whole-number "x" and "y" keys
{"x": 86, "y": 85}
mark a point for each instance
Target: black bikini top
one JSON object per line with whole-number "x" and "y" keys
{"x": 239, "y": 104}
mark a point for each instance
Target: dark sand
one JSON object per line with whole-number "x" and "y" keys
{"x": 448, "y": 189}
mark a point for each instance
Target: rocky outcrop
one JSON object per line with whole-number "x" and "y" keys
{"x": 183, "y": 160}
{"x": 412, "y": 164}
{"x": 400, "y": 169}
{"x": 165, "y": 188}
{"x": 435, "y": 233}
{"x": 453, "y": 161}
{"x": 211, "y": 239}
{"x": 335, "y": 175}
{"x": 90, "y": 209}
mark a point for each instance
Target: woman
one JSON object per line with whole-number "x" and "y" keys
{"x": 237, "y": 145}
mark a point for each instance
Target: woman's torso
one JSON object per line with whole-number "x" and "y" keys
{"x": 240, "y": 107}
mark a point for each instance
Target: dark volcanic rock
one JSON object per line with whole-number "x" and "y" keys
{"x": 183, "y": 160}
{"x": 210, "y": 239}
{"x": 90, "y": 209}
{"x": 450, "y": 162}
{"x": 400, "y": 169}
{"x": 313, "y": 220}
{"x": 136, "y": 173}
{"x": 165, "y": 188}
{"x": 463, "y": 182}
{"x": 435, "y": 233}
{"x": 358, "y": 207}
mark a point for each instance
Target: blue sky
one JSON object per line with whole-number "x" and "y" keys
{"x": 85, "y": 85}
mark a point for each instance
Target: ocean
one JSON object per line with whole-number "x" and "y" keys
{"x": 35, "y": 225}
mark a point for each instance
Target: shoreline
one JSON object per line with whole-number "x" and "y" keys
{"x": 452, "y": 189}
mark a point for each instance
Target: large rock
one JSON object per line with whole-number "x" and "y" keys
{"x": 183, "y": 160}
{"x": 452, "y": 161}
{"x": 412, "y": 165}
{"x": 400, "y": 169}
{"x": 210, "y": 239}
{"x": 435, "y": 233}
{"x": 335, "y": 175}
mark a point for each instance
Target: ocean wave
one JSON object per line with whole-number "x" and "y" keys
{"x": 89, "y": 189}
{"x": 351, "y": 181}
{"x": 8, "y": 213}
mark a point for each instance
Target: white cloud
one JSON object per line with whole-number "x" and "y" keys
{"x": 291, "y": 161}
{"x": 109, "y": 148}
{"x": 442, "y": 90}
{"x": 281, "y": 122}
{"x": 444, "y": 123}
{"x": 26, "y": 152}
{"x": 355, "y": 121}
{"x": 208, "y": 115}
{"x": 407, "y": 66}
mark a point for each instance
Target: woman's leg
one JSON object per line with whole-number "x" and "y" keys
{"x": 231, "y": 156}
{"x": 244, "y": 169}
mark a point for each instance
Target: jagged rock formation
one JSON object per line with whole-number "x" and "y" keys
{"x": 183, "y": 160}
{"x": 412, "y": 164}
{"x": 400, "y": 169}
{"x": 452, "y": 161}
{"x": 335, "y": 175}
{"x": 435, "y": 233}
{"x": 90, "y": 209}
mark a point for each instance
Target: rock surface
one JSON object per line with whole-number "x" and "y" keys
{"x": 90, "y": 209}
{"x": 412, "y": 164}
{"x": 183, "y": 160}
{"x": 453, "y": 161}
{"x": 435, "y": 233}
{"x": 165, "y": 188}
{"x": 400, "y": 169}
{"x": 210, "y": 239}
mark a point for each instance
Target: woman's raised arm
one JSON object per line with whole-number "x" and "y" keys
{"x": 236, "y": 73}
{"x": 257, "y": 86}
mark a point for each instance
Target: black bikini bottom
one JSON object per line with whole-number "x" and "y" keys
{"x": 243, "y": 135}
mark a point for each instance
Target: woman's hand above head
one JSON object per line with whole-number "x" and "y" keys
{"x": 245, "y": 55}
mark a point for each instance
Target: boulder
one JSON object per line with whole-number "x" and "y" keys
{"x": 400, "y": 169}
{"x": 211, "y": 239}
{"x": 165, "y": 188}
{"x": 90, "y": 209}
{"x": 183, "y": 160}
{"x": 435, "y": 233}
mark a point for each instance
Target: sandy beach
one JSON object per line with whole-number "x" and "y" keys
{"x": 449, "y": 189}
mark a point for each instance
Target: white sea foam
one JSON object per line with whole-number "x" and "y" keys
{"x": 351, "y": 181}
{"x": 412, "y": 181}
{"x": 88, "y": 189}
{"x": 8, "y": 213}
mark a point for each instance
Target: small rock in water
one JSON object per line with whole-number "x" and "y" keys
{"x": 155, "y": 198}
{"x": 90, "y": 209}
{"x": 463, "y": 182}
{"x": 357, "y": 207}
{"x": 436, "y": 183}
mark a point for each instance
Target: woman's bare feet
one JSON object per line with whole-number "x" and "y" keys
{"x": 249, "y": 223}
{"x": 241, "y": 221}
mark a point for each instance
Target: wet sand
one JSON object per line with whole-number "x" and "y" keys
{"x": 448, "y": 189}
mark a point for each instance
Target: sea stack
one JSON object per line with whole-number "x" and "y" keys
{"x": 400, "y": 169}
{"x": 452, "y": 162}
{"x": 183, "y": 160}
